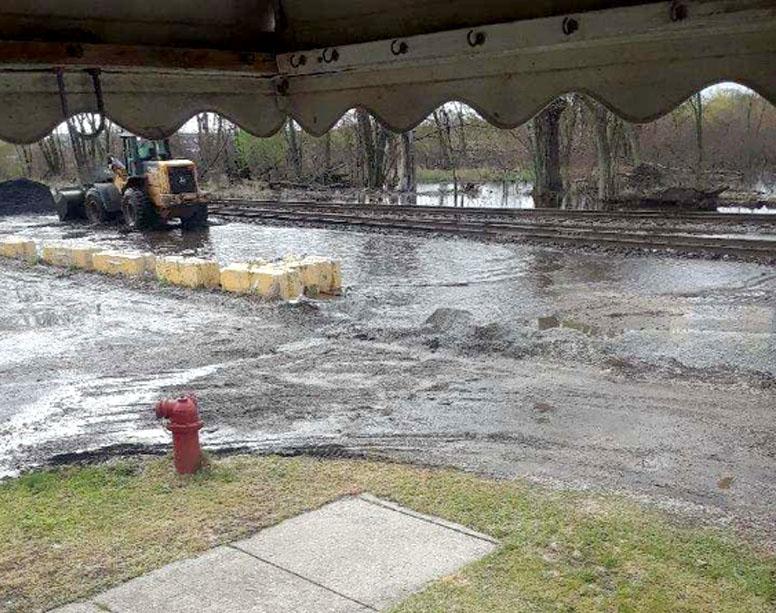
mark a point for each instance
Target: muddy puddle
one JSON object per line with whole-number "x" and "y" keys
{"x": 652, "y": 375}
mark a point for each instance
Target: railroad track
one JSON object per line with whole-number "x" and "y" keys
{"x": 439, "y": 211}
{"x": 633, "y": 229}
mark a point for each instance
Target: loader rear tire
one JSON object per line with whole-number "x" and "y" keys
{"x": 138, "y": 210}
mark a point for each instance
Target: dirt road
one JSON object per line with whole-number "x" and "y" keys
{"x": 651, "y": 375}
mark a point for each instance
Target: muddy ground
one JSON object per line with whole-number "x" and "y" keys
{"x": 650, "y": 375}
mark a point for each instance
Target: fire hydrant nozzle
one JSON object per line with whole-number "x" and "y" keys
{"x": 184, "y": 423}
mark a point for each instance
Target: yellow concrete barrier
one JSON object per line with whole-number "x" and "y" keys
{"x": 319, "y": 274}
{"x": 237, "y": 278}
{"x": 270, "y": 281}
{"x": 55, "y": 255}
{"x": 336, "y": 278}
{"x": 69, "y": 255}
{"x": 278, "y": 281}
{"x": 285, "y": 280}
{"x": 308, "y": 274}
{"x": 292, "y": 286}
{"x": 125, "y": 264}
{"x": 188, "y": 272}
{"x": 18, "y": 248}
{"x": 83, "y": 256}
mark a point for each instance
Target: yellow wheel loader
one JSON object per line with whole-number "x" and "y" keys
{"x": 145, "y": 189}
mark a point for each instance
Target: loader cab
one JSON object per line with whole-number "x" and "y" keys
{"x": 138, "y": 152}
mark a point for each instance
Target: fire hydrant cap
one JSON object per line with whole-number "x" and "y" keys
{"x": 181, "y": 411}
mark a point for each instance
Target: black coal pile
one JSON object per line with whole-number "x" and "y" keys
{"x": 25, "y": 197}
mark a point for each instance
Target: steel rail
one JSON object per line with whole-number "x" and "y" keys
{"x": 613, "y": 222}
{"x": 649, "y": 238}
{"x": 417, "y": 210}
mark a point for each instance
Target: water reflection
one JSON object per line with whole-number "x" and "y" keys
{"x": 491, "y": 195}
{"x": 505, "y": 194}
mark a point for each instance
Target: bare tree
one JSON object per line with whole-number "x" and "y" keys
{"x": 603, "y": 130}
{"x": 751, "y": 137}
{"x": 696, "y": 104}
{"x": 442, "y": 123}
{"x": 88, "y": 145}
{"x": 216, "y": 144}
{"x": 374, "y": 140}
{"x": 464, "y": 145}
{"x": 294, "y": 148}
{"x": 327, "y": 157}
{"x": 381, "y": 161}
{"x": 546, "y": 154}
{"x": 53, "y": 156}
{"x": 569, "y": 133}
{"x": 367, "y": 140}
{"x": 633, "y": 134}
{"x": 407, "y": 180}
{"x": 445, "y": 134}
{"x": 24, "y": 153}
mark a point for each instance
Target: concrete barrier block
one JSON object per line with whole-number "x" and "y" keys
{"x": 83, "y": 256}
{"x": 284, "y": 280}
{"x": 150, "y": 261}
{"x": 237, "y": 278}
{"x": 324, "y": 272}
{"x": 309, "y": 274}
{"x": 18, "y": 248}
{"x": 292, "y": 286}
{"x": 188, "y": 272}
{"x": 56, "y": 255}
{"x": 68, "y": 255}
{"x": 270, "y": 282}
{"x": 336, "y": 278}
{"x": 202, "y": 273}
{"x": 125, "y": 264}
{"x": 168, "y": 269}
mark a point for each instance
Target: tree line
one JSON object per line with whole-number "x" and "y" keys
{"x": 574, "y": 144}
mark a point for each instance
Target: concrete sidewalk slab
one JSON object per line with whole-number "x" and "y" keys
{"x": 375, "y": 553}
{"x": 223, "y": 580}
{"x": 355, "y": 554}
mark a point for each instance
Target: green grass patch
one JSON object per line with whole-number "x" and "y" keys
{"x": 70, "y": 532}
{"x": 471, "y": 175}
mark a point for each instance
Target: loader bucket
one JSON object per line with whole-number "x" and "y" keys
{"x": 69, "y": 203}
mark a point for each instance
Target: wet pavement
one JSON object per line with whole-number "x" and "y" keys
{"x": 646, "y": 374}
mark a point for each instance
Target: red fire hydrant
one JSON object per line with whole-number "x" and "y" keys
{"x": 184, "y": 423}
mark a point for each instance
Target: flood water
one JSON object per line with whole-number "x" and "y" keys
{"x": 400, "y": 280}
{"x": 505, "y": 195}
{"x": 511, "y": 195}
{"x": 653, "y": 374}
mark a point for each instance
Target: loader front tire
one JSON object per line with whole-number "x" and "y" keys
{"x": 196, "y": 218}
{"x": 95, "y": 209}
{"x": 138, "y": 210}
